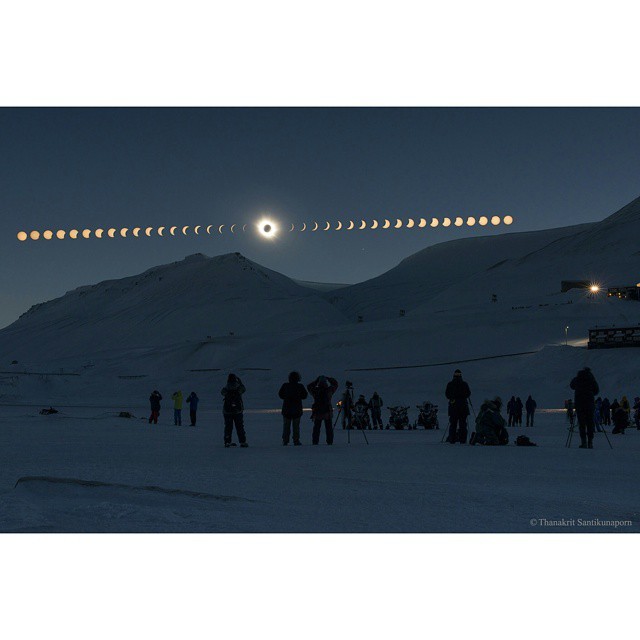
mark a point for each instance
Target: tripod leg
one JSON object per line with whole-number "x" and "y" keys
{"x": 364, "y": 433}
{"x": 607, "y": 437}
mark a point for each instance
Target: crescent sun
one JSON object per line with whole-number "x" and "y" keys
{"x": 315, "y": 226}
{"x": 136, "y": 231}
{"x": 244, "y": 227}
{"x": 386, "y": 224}
{"x": 374, "y": 224}
{"x": 351, "y": 225}
{"x": 232, "y": 227}
{"x": 411, "y": 223}
{"x": 111, "y": 233}
{"x": 327, "y": 227}
{"x": 123, "y": 232}
{"x": 363, "y": 224}
{"x": 160, "y": 231}
{"x": 208, "y": 229}
{"x": 434, "y": 222}
{"x": 184, "y": 229}
{"x": 339, "y": 225}
{"x": 220, "y": 228}
{"x": 304, "y": 226}
{"x": 292, "y": 228}
{"x": 398, "y": 223}
{"x": 148, "y": 231}
{"x": 172, "y": 231}
{"x": 422, "y": 223}
{"x": 196, "y": 229}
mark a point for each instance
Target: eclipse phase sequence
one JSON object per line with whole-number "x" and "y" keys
{"x": 268, "y": 228}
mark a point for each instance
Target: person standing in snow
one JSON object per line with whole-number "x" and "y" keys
{"x": 606, "y": 412}
{"x": 458, "y": 394}
{"x": 490, "y": 425}
{"x": 518, "y": 417}
{"x": 154, "y": 401}
{"x": 292, "y": 394}
{"x": 322, "y": 390}
{"x": 586, "y": 389}
{"x": 376, "y": 404}
{"x": 530, "y": 406}
{"x": 232, "y": 410}
{"x": 177, "y": 408}
{"x": 193, "y": 400}
{"x": 511, "y": 411}
{"x": 624, "y": 404}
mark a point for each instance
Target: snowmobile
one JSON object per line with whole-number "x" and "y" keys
{"x": 361, "y": 418}
{"x": 398, "y": 418}
{"x": 427, "y": 416}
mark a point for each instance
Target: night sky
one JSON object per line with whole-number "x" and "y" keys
{"x": 89, "y": 168}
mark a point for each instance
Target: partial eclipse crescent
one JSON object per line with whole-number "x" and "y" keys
{"x": 136, "y": 231}
{"x": 184, "y": 229}
{"x": 363, "y": 224}
{"x": 398, "y": 223}
{"x": 410, "y": 223}
{"x": 386, "y": 224}
{"x": 172, "y": 231}
{"x": 304, "y": 226}
{"x": 328, "y": 226}
{"x": 339, "y": 225}
{"x": 315, "y": 226}
{"x": 292, "y": 228}
{"x": 160, "y": 231}
{"x": 351, "y": 225}
{"x": 374, "y": 224}
{"x": 123, "y": 232}
{"x": 148, "y": 231}
{"x": 220, "y": 228}
{"x": 196, "y": 229}
{"x": 244, "y": 227}
{"x": 423, "y": 222}
{"x": 209, "y": 228}
{"x": 232, "y": 227}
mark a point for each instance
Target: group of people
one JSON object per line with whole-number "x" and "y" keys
{"x": 515, "y": 408}
{"x": 490, "y": 425}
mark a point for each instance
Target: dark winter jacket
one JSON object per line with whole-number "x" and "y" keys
{"x": 511, "y": 406}
{"x": 530, "y": 405}
{"x": 193, "y": 402}
{"x": 363, "y": 404}
{"x": 620, "y": 419}
{"x": 606, "y": 407}
{"x": 586, "y": 389}
{"x": 322, "y": 408}
{"x": 154, "y": 400}
{"x": 292, "y": 394}
{"x": 232, "y": 393}
{"x": 375, "y": 402}
{"x": 490, "y": 425}
{"x": 518, "y": 408}
{"x": 458, "y": 392}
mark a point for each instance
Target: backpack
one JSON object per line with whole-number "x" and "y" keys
{"x": 523, "y": 441}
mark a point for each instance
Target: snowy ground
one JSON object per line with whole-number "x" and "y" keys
{"x": 401, "y": 482}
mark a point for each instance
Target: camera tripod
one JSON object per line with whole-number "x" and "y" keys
{"x": 572, "y": 425}
{"x": 349, "y": 428}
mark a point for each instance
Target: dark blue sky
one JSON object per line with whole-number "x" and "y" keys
{"x": 66, "y": 168}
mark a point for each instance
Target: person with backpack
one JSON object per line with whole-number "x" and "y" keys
{"x": 292, "y": 393}
{"x": 232, "y": 410}
{"x": 490, "y": 425}
{"x": 154, "y": 401}
{"x": 376, "y": 404}
{"x": 624, "y": 404}
{"x": 322, "y": 390}
{"x": 530, "y": 405}
{"x": 458, "y": 394}
{"x": 606, "y": 412}
{"x": 177, "y": 408}
{"x": 193, "y": 407}
{"x": 586, "y": 389}
{"x": 620, "y": 420}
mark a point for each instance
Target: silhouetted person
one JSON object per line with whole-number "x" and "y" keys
{"x": 376, "y": 404}
{"x": 232, "y": 410}
{"x": 490, "y": 425}
{"x": 606, "y": 412}
{"x": 292, "y": 394}
{"x": 620, "y": 420}
{"x": 518, "y": 418}
{"x": 177, "y": 408}
{"x": 154, "y": 401}
{"x": 322, "y": 389}
{"x": 193, "y": 401}
{"x": 511, "y": 411}
{"x": 347, "y": 406}
{"x": 458, "y": 393}
{"x": 586, "y": 389}
{"x": 530, "y": 405}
